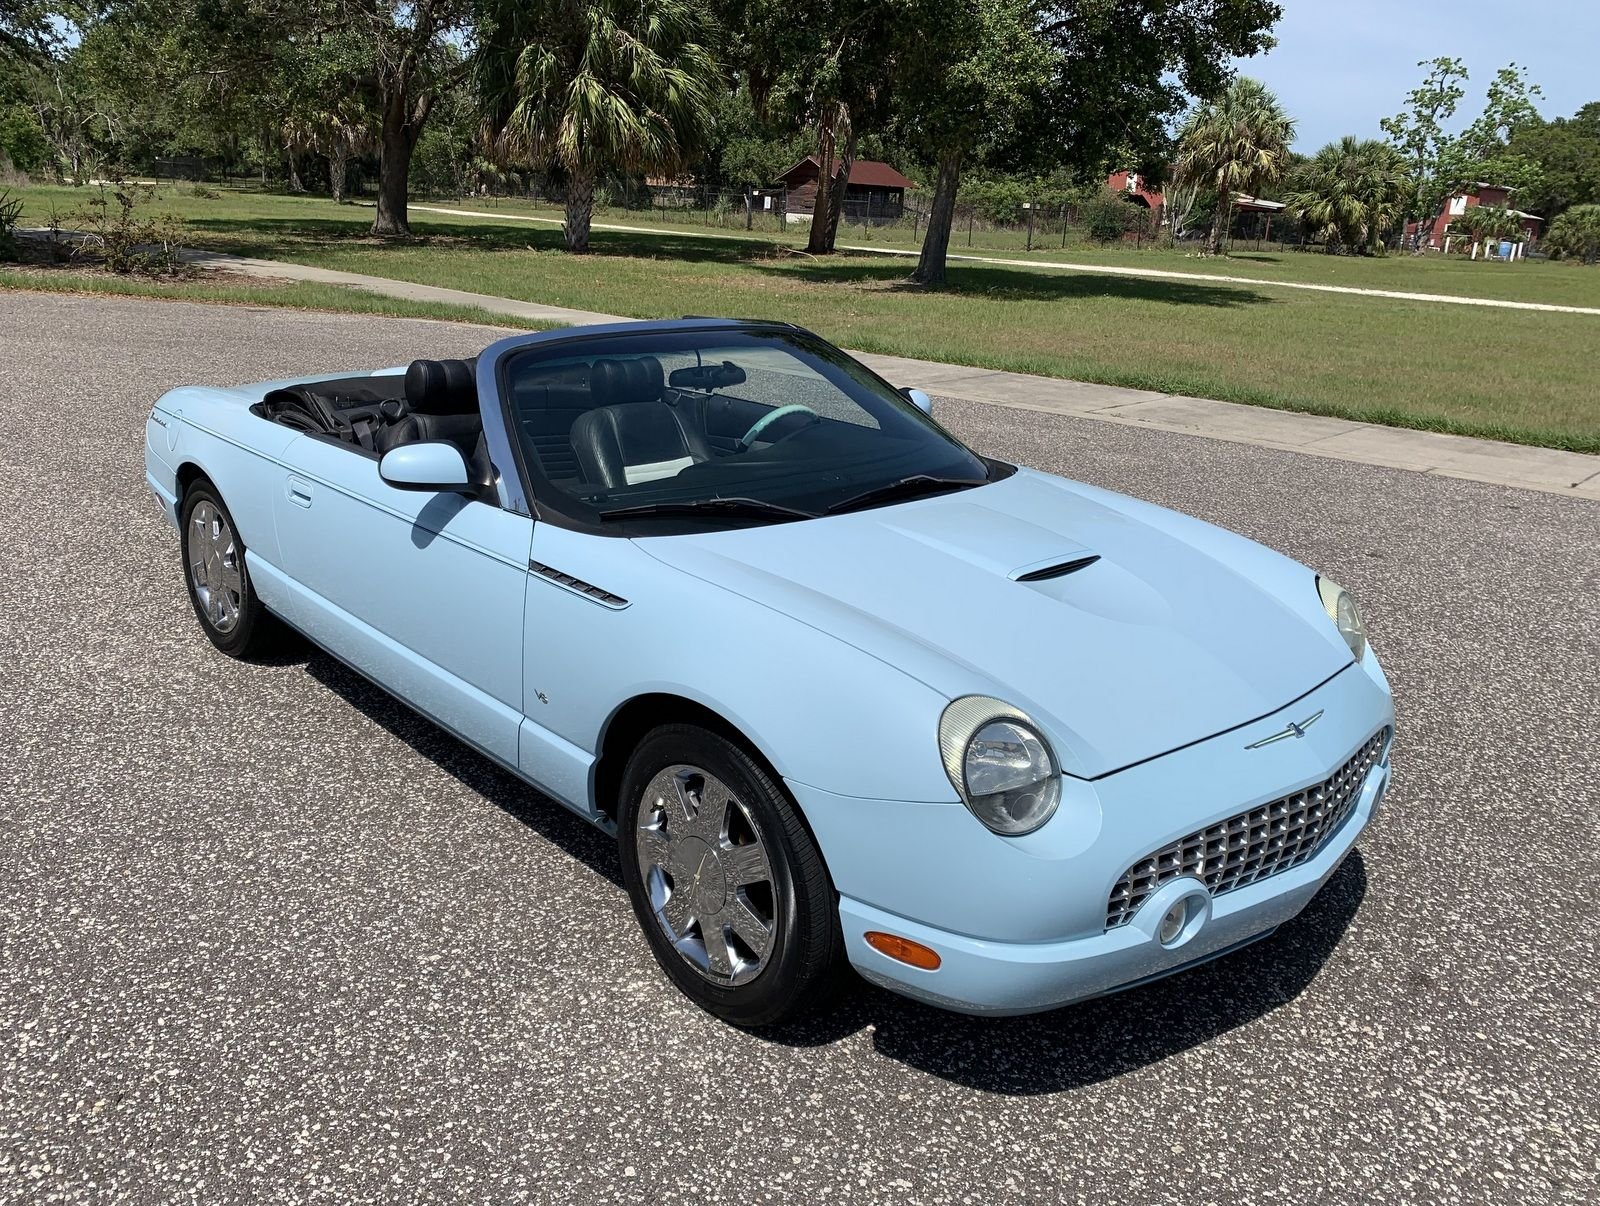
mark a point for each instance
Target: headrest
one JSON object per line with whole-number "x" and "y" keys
{"x": 442, "y": 387}
{"x": 616, "y": 381}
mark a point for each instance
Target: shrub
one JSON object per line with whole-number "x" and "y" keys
{"x": 1576, "y": 233}
{"x": 23, "y": 141}
{"x": 10, "y": 212}
{"x": 999, "y": 201}
{"x": 1107, "y": 216}
{"x": 129, "y": 241}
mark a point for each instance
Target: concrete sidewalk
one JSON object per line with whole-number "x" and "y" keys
{"x": 1543, "y": 469}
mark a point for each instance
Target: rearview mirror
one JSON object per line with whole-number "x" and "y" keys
{"x": 920, "y": 400}
{"x": 706, "y": 377}
{"x": 432, "y": 465}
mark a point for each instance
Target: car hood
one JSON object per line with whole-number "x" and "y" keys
{"x": 1178, "y": 631}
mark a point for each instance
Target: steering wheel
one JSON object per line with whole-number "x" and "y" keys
{"x": 773, "y": 416}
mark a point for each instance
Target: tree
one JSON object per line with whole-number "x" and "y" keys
{"x": 328, "y": 86}
{"x": 1077, "y": 86}
{"x": 413, "y": 52}
{"x": 1486, "y": 224}
{"x": 973, "y": 80}
{"x": 1576, "y": 233}
{"x": 1442, "y": 164}
{"x": 1567, "y": 152}
{"x": 828, "y": 66}
{"x": 1237, "y": 143}
{"x": 1349, "y": 193}
{"x": 1417, "y": 132}
{"x": 27, "y": 28}
{"x": 597, "y": 86}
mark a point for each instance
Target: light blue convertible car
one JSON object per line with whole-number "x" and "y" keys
{"x": 846, "y": 691}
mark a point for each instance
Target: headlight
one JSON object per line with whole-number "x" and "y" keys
{"x": 1341, "y": 609}
{"x": 1000, "y": 764}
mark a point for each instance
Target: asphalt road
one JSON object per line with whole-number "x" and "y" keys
{"x": 264, "y": 934}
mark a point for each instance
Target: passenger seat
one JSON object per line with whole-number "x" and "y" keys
{"x": 634, "y": 436}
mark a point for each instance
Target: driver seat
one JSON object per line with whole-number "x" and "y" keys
{"x": 637, "y": 437}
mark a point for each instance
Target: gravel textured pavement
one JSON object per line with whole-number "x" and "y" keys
{"x": 266, "y": 935}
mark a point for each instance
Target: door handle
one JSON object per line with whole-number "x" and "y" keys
{"x": 299, "y": 491}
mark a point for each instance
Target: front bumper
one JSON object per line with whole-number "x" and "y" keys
{"x": 1005, "y": 978}
{"x": 1019, "y": 924}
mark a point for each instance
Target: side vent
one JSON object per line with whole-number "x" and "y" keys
{"x": 577, "y": 586}
{"x": 1059, "y": 570}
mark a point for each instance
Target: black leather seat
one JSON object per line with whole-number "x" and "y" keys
{"x": 634, "y": 435}
{"x": 442, "y": 404}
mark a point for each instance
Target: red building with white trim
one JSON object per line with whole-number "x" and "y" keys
{"x": 1139, "y": 192}
{"x": 1435, "y": 233}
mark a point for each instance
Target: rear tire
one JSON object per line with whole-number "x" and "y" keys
{"x": 725, "y": 879}
{"x": 218, "y": 578}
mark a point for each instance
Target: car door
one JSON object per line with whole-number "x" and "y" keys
{"x": 422, "y": 591}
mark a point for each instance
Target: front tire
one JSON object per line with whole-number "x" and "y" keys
{"x": 725, "y": 879}
{"x": 218, "y": 578}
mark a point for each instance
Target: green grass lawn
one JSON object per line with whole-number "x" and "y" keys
{"x": 1564, "y": 284}
{"x": 1517, "y": 375}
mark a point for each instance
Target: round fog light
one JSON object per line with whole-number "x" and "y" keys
{"x": 1172, "y": 923}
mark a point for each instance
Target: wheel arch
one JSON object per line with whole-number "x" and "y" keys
{"x": 188, "y": 473}
{"x": 629, "y": 724}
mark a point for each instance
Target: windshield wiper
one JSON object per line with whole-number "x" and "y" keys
{"x": 903, "y": 488}
{"x": 734, "y": 508}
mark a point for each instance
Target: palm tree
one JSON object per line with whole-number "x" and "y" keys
{"x": 1349, "y": 193}
{"x": 1576, "y": 233}
{"x": 1486, "y": 224}
{"x": 597, "y": 87}
{"x": 1237, "y": 143}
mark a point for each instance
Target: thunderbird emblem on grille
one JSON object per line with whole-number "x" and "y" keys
{"x": 1295, "y": 729}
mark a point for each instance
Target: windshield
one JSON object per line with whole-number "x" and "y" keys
{"x": 720, "y": 426}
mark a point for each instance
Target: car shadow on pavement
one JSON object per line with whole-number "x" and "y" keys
{"x": 1044, "y": 1053}
{"x": 1101, "y": 1039}
{"x": 547, "y": 818}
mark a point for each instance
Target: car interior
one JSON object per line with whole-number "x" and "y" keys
{"x": 606, "y": 423}
{"x": 432, "y": 400}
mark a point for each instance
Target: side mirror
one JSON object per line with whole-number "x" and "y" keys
{"x": 920, "y": 400}
{"x": 433, "y": 466}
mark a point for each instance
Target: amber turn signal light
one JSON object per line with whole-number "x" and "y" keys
{"x": 904, "y": 950}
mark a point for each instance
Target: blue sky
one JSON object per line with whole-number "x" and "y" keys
{"x": 1340, "y": 65}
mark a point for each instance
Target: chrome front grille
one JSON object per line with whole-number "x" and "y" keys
{"x": 1253, "y": 845}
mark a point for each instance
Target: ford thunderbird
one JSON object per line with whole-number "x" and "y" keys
{"x": 846, "y": 692}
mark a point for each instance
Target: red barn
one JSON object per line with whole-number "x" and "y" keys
{"x": 1139, "y": 191}
{"x": 874, "y": 190}
{"x": 1435, "y": 233}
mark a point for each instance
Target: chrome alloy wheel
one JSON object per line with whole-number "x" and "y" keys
{"x": 708, "y": 875}
{"x": 214, "y": 567}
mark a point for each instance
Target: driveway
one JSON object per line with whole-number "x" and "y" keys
{"x": 265, "y": 934}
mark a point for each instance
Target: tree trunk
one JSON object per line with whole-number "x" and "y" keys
{"x": 827, "y": 161}
{"x": 402, "y": 126}
{"x": 580, "y": 210}
{"x": 295, "y": 183}
{"x": 936, "y": 243}
{"x": 339, "y": 166}
{"x": 830, "y": 230}
{"x": 1220, "y": 222}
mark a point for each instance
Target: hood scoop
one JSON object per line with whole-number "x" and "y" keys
{"x": 1054, "y": 568}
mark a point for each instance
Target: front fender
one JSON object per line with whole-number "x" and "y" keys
{"x": 821, "y": 711}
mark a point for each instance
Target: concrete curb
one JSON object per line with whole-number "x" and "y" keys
{"x": 1547, "y": 470}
